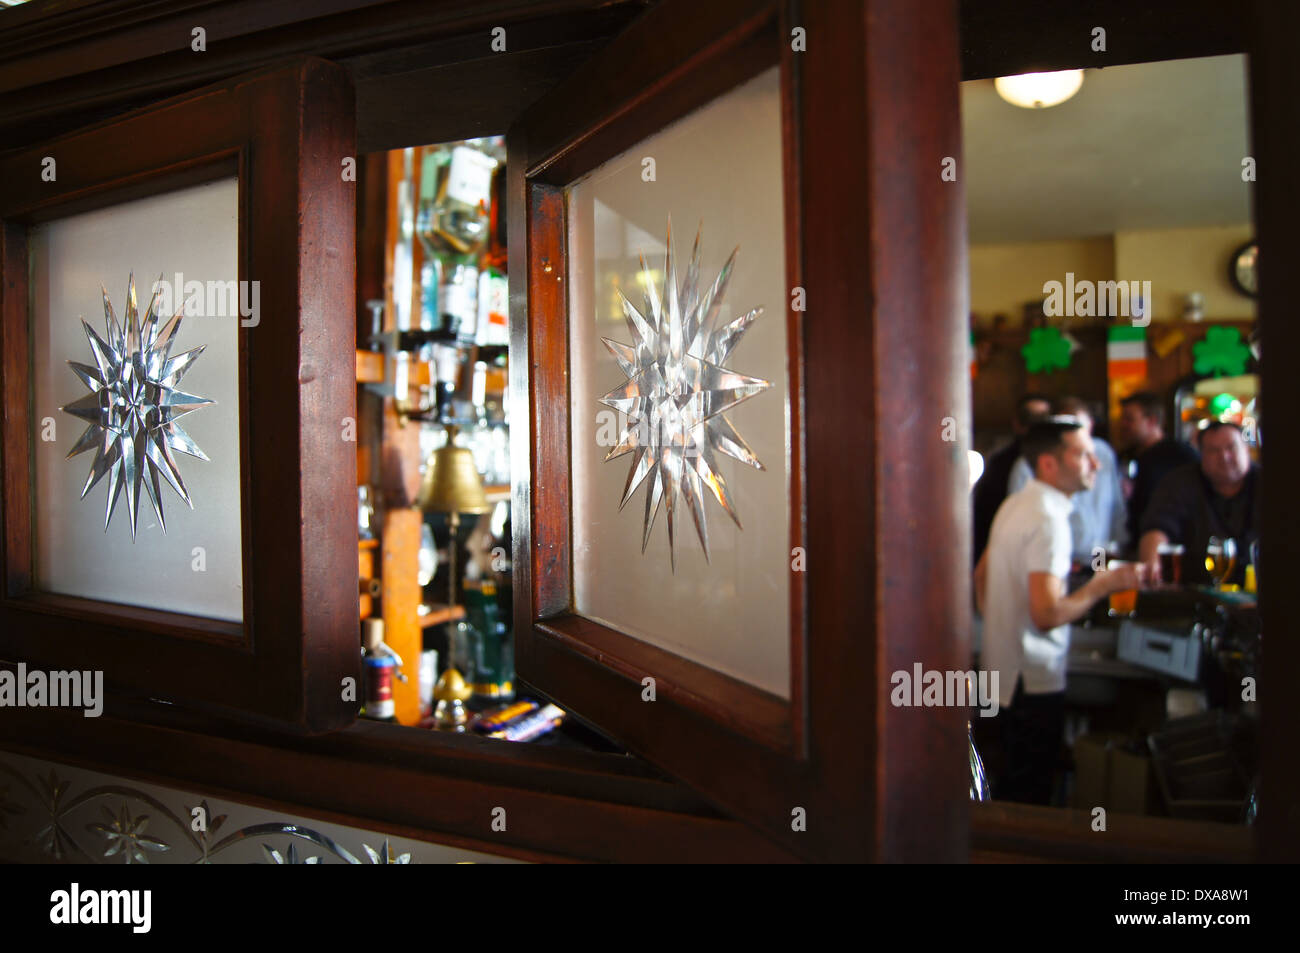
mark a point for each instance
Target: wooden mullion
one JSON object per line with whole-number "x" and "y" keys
{"x": 286, "y": 660}
{"x": 1274, "y": 86}
{"x": 548, "y": 324}
{"x": 15, "y": 345}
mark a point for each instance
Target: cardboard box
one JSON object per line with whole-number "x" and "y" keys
{"x": 1108, "y": 774}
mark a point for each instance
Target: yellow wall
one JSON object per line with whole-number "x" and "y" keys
{"x": 1179, "y": 260}
{"x": 1003, "y": 277}
{"x": 1175, "y": 260}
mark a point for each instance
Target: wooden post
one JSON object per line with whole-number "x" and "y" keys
{"x": 401, "y": 605}
{"x": 400, "y": 484}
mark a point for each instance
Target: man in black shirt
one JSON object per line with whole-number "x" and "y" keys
{"x": 1142, "y": 423}
{"x": 1217, "y": 497}
{"x": 991, "y": 489}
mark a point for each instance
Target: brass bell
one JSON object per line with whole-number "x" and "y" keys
{"x": 451, "y": 482}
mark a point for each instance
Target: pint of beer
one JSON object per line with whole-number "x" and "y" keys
{"x": 1220, "y": 557}
{"x": 1171, "y": 563}
{"x": 1124, "y": 602}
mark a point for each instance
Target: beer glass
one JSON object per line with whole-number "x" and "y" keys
{"x": 1171, "y": 563}
{"x": 1220, "y": 557}
{"x": 1124, "y": 602}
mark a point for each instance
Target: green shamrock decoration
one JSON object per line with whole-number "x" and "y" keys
{"x": 1221, "y": 353}
{"x": 1046, "y": 351}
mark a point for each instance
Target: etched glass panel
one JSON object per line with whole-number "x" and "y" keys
{"x": 679, "y": 396}
{"x": 147, "y": 406}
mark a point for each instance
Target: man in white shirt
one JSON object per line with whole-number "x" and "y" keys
{"x": 1098, "y": 517}
{"x": 1020, "y": 592}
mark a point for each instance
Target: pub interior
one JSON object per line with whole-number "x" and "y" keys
{"x": 1155, "y": 714}
{"x": 592, "y": 417}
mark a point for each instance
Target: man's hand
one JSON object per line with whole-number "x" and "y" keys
{"x": 1126, "y": 576}
{"x": 1049, "y": 606}
{"x": 1149, "y": 553}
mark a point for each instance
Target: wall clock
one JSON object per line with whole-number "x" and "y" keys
{"x": 1243, "y": 269}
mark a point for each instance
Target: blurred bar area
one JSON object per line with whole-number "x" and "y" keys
{"x": 434, "y": 529}
{"x": 1115, "y": 374}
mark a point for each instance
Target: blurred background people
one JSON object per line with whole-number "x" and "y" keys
{"x": 991, "y": 489}
{"x": 1217, "y": 496}
{"x": 1099, "y": 518}
{"x": 1020, "y": 588}
{"x": 1152, "y": 453}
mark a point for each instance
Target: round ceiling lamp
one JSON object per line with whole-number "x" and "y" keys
{"x": 1039, "y": 90}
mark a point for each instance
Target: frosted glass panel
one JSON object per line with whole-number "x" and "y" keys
{"x": 717, "y": 170}
{"x": 195, "y": 566}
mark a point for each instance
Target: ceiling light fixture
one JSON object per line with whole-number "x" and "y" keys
{"x": 1039, "y": 90}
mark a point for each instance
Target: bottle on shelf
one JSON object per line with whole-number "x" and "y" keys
{"x": 430, "y": 287}
{"x": 403, "y": 249}
{"x": 458, "y": 298}
{"x": 446, "y": 361}
{"x": 456, "y": 212}
{"x": 496, "y": 255}
{"x": 493, "y": 294}
{"x": 492, "y": 656}
{"x": 431, "y": 161}
{"x": 381, "y": 666}
{"x": 493, "y": 308}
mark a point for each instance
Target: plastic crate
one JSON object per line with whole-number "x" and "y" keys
{"x": 1197, "y": 767}
{"x": 1173, "y": 653}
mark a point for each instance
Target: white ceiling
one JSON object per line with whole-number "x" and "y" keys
{"x": 1154, "y": 145}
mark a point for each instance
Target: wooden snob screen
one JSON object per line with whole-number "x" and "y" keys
{"x": 248, "y": 602}
{"x": 680, "y": 407}
{"x": 156, "y": 551}
{"x": 732, "y": 671}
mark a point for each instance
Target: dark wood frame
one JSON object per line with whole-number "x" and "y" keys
{"x": 578, "y": 805}
{"x": 294, "y": 464}
{"x": 1274, "y": 87}
{"x": 708, "y": 729}
{"x": 749, "y": 45}
{"x": 562, "y": 804}
{"x": 423, "y": 72}
{"x": 586, "y": 809}
{"x": 1001, "y": 37}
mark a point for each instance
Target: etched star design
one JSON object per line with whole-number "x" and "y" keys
{"x": 676, "y": 392}
{"x": 124, "y": 834}
{"x": 132, "y": 408}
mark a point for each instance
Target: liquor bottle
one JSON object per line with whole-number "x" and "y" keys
{"x": 492, "y": 651}
{"x": 493, "y": 308}
{"x": 380, "y": 666}
{"x": 458, "y": 297}
{"x": 430, "y": 285}
{"x": 432, "y": 162}
{"x": 496, "y": 256}
{"x": 431, "y": 269}
{"x": 493, "y": 291}
{"x": 403, "y": 248}
{"x": 446, "y": 361}
{"x": 456, "y": 213}
{"x": 379, "y": 688}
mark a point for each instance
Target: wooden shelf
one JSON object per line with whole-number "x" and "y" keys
{"x": 498, "y": 493}
{"x": 441, "y": 614}
{"x": 370, "y": 370}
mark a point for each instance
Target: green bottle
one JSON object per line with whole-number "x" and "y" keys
{"x": 491, "y": 649}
